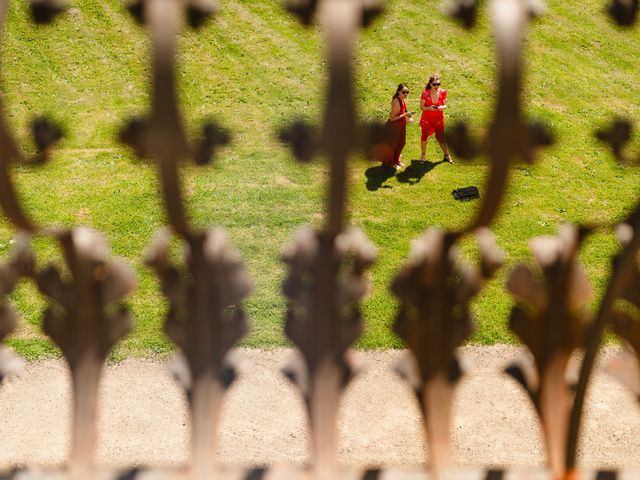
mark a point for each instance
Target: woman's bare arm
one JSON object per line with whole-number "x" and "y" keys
{"x": 395, "y": 111}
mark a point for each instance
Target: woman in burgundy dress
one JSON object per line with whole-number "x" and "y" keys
{"x": 432, "y": 103}
{"x": 396, "y": 128}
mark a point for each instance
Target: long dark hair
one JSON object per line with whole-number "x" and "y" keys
{"x": 432, "y": 77}
{"x": 401, "y": 87}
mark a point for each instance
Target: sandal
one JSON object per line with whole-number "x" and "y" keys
{"x": 447, "y": 158}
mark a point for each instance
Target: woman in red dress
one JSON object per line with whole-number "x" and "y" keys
{"x": 397, "y": 128}
{"x": 432, "y": 103}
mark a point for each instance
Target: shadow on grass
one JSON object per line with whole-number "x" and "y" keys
{"x": 376, "y": 176}
{"x": 414, "y": 172}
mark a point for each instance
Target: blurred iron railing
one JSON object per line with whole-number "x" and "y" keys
{"x": 327, "y": 267}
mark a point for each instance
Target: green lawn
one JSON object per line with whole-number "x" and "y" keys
{"x": 253, "y": 69}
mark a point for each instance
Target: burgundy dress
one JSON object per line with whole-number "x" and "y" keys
{"x": 396, "y": 138}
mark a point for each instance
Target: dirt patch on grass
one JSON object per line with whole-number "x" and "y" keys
{"x": 284, "y": 182}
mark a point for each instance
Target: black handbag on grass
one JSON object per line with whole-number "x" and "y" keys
{"x": 465, "y": 194}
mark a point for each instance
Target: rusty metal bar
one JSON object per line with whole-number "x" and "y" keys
{"x": 205, "y": 318}
{"x": 326, "y": 268}
{"x": 433, "y": 287}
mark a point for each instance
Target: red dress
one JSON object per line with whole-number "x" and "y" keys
{"x": 432, "y": 121}
{"x": 397, "y": 137}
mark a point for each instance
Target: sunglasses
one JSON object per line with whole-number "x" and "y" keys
{"x": 406, "y": 92}
{"x": 436, "y": 84}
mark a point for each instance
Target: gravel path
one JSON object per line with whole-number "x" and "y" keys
{"x": 143, "y": 418}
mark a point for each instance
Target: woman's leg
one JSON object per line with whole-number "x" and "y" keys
{"x": 400, "y": 145}
{"x": 423, "y": 147}
{"x": 423, "y": 142}
{"x": 444, "y": 148}
{"x": 443, "y": 145}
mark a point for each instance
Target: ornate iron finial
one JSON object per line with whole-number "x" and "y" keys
{"x": 435, "y": 288}
{"x": 82, "y": 320}
{"x": 205, "y": 319}
{"x": 326, "y": 268}
{"x": 325, "y": 284}
{"x": 550, "y": 319}
{"x": 77, "y": 318}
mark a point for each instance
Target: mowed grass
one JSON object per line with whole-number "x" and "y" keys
{"x": 252, "y": 70}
